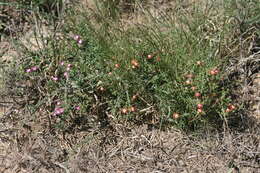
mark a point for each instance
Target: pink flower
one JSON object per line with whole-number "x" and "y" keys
{"x": 76, "y": 37}
{"x": 69, "y": 67}
{"x": 62, "y": 63}
{"x": 77, "y": 107}
{"x": 61, "y": 110}
{"x": 58, "y": 111}
{"x": 28, "y": 70}
{"x": 80, "y": 41}
{"x": 34, "y": 68}
{"x": 66, "y": 75}
{"x": 54, "y": 78}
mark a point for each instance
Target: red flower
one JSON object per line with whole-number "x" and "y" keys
{"x": 199, "y": 110}
{"x": 214, "y": 71}
{"x": 197, "y": 94}
{"x": 132, "y": 109}
{"x": 117, "y": 65}
{"x": 175, "y": 116}
{"x": 124, "y": 111}
{"x": 193, "y": 88}
{"x": 134, "y": 63}
{"x": 200, "y": 106}
{"x": 149, "y": 56}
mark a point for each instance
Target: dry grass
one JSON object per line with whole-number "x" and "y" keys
{"x": 129, "y": 149}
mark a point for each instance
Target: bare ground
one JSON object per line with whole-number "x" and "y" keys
{"x": 128, "y": 149}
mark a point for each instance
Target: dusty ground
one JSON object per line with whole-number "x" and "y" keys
{"x": 27, "y": 145}
{"x": 128, "y": 149}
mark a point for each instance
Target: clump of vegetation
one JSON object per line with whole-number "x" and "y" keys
{"x": 140, "y": 74}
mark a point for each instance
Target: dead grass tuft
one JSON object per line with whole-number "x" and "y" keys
{"x": 151, "y": 150}
{"x": 129, "y": 149}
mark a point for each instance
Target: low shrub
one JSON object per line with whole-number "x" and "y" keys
{"x": 140, "y": 74}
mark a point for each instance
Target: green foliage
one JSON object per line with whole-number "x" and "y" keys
{"x": 143, "y": 74}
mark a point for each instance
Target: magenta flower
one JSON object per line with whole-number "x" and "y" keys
{"x": 66, "y": 75}
{"x": 34, "y": 68}
{"x": 77, "y": 107}
{"x": 54, "y": 78}
{"x": 69, "y": 67}
{"x": 76, "y": 37}
{"x": 28, "y": 70}
{"x": 58, "y": 111}
{"x": 80, "y": 41}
